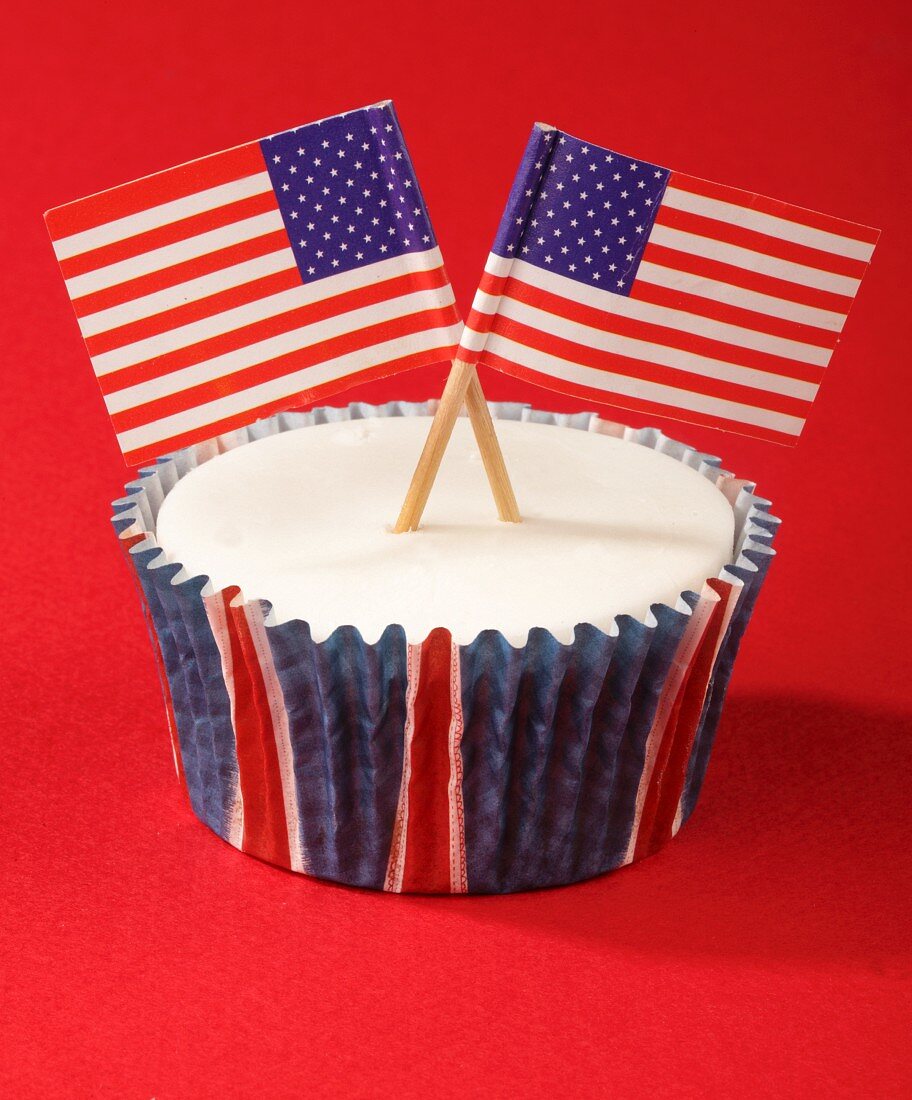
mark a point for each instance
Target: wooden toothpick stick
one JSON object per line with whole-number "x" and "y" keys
{"x": 462, "y": 387}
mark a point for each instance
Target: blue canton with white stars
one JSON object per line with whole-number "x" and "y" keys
{"x": 347, "y": 192}
{"x": 582, "y": 211}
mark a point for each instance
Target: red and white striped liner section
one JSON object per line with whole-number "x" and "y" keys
{"x": 265, "y": 819}
{"x": 428, "y": 853}
{"x": 733, "y": 316}
{"x": 194, "y": 314}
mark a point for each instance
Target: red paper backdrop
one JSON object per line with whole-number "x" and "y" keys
{"x": 766, "y": 950}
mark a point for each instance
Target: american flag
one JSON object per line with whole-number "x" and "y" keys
{"x": 271, "y": 275}
{"x": 617, "y": 280}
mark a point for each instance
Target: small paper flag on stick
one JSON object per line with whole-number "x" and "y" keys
{"x": 617, "y": 280}
{"x": 271, "y": 275}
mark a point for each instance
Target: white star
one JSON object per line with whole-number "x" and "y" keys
{"x": 549, "y": 213}
{"x": 622, "y": 240}
{"x": 335, "y": 218}
{"x": 335, "y": 263}
{"x": 633, "y": 167}
{"x": 572, "y": 267}
{"x": 349, "y": 137}
{"x": 547, "y": 259}
{"x": 564, "y": 250}
{"x": 426, "y": 239}
{"x": 585, "y": 149}
{"x": 588, "y": 259}
{"x": 300, "y": 152}
{"x": 311, "y": 270}
{"x": 616, "y": 176}
{"x": 649, "y": 202}
{"x": 343, "y": 246}
{"x": 351, "y": 229}
{"x": 310, "y": 179}
{"x": 294, "y": 213}
{"x": 620, "y": 282}
{"x": 641, "y": 183}
{"x": 639, "y": 229}
{"x": 541, "y": 240}
{"x": 311, "y": 226}
{"x": 623, "y": 194}
{"x": 609, "y": 158}
{"x": 582, "y": 240}
{"x": 319, "y": 253}
{"x": 325, "y": 144}
{"x": 367, "y": 238}
{"x": 276, "y": 160}
{"x": 629, "y": 255}
{"x": 596, "y": 276}
{"x": 631, "y": 213}
{"x": 341, "y": 153}
{"x": 657, "y": 174}
{"x": 284, "y": 186}
{"x": 293, "y": 169}
{"x": 359, "y": 255}
{"x": 317, "y": 162}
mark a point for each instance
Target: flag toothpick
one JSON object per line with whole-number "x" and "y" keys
{"x": 462, "y": 387}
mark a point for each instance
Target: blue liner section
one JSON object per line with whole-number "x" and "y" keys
{"x": 553, "y": 748}
{"x": 199, "y": 698}
{"x": 346, "y": 714}
{"x": 554, "y": 735}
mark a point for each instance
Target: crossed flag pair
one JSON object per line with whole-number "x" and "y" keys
{"x": 284, "y": 271}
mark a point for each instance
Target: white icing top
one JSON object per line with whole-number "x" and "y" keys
{"x": 303, "y": 519}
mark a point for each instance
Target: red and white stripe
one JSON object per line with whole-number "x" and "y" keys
{"x": 671, "y": 737}
{"x": 189, "y": 298}
{"x": 736, "y": 308}
{"x": 265, "y": 820}
{"x": 428, "y": 852}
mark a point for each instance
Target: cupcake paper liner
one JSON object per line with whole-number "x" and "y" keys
{"x": 434, "y": 767}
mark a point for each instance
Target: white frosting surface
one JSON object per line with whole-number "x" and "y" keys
{"x": 303, "y": 520}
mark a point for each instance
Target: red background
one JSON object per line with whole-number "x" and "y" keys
{"x": 767, "y": 948}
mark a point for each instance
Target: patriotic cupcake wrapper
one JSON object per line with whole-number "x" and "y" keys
{"x": 436, "y": 767}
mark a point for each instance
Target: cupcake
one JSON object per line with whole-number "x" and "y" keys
{"x": 473, "y": 708}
